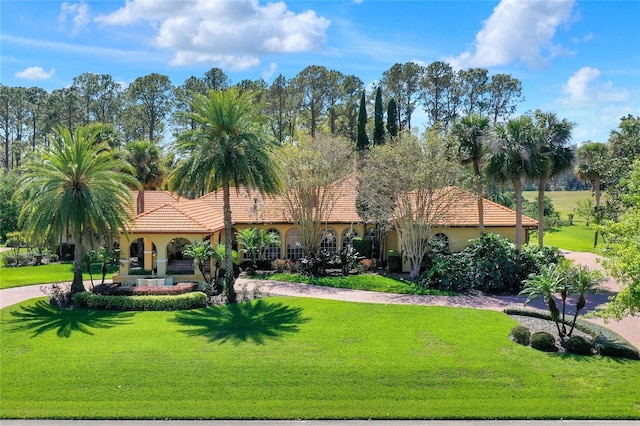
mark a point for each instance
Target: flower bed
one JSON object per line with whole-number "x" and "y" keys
{"x": 113, "y": 290}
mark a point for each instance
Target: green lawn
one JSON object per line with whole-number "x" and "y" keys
{"x": 369, "y": 282}
{"x": 296, "y": 358}
{"x": 572, "y": 238}
{"x": 52, "y": 273}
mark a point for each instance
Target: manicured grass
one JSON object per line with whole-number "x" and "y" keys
{"x": 51, "y": 273}
{"x": 572, "y": 238}
{"x": 370, "y": 282}
{"x": 295, "y": 358}
{"x": 564, "y": 202}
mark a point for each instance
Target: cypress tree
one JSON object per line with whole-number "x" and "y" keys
{"x": 378, "y": 120}
{"x": 392, "y": 118}
{"x": 363, "y": 140}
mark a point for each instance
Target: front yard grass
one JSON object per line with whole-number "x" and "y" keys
{"x": 369, "y": 282}
{"x": 296, "y": 358}
{"x": 51, "y": 273}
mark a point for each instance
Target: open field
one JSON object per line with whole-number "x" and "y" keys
{"x": 296, "y": 358}
{"x": 52, "y": 273}
{"x": 572, "y": 238}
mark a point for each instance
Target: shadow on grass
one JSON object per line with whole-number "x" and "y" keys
{"x": 242, "y": 322}
{"x": 42, "y": 317}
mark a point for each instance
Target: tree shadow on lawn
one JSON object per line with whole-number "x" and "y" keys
{"x": 241, "y": 322}
{"x": 43, "y": 317}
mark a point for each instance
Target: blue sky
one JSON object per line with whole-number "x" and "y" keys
{"x": 580, "y": 59}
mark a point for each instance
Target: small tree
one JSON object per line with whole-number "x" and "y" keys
{"x": 202, "y": 252}
{"x": 314, "y": 167}
{"x": 585, "y": 210}
{"x": 408, "y": 180}
{"x": 250, "y": 239}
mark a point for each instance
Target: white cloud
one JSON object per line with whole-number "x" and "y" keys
{"x": 269, "y": 72}
{"x": 76, "y": 13}
{"x": 35, "y": 73}
{"x": 583, "y": 87}
{"x": 231, "y": 34}
{"x": 518, "y": 30}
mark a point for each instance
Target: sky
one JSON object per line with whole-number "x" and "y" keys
{"x": 579, "y": 59}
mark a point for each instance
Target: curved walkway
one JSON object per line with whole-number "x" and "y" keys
{"x": 629, "y": 327}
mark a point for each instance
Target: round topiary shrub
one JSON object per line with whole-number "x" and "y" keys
{"x": 543, "y": 341}
{"x": 521, "y": 335}
{"x": 578, "y": 345}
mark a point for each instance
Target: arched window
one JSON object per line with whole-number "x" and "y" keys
{"x": 294, "y": 248}
{"x": 440, "y": 239}
{"x": 272, "y": 252}
{"x": 348, "y": 235}
{"x": 329, "y": 242}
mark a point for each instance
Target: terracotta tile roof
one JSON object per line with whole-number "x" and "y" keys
{"x": 205, "y": 214}
{"x": 154, "y": 199}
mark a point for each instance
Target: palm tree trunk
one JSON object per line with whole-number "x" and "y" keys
{"x": 476, "y": 169}
{"x": 517, "y": 185}
{"x": 77, "y": 285}
{"x": 541, "y": 185}
{"x": 228, "y": 255}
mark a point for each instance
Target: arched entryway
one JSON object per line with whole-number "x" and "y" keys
{"x": 142, "y": 255}
{"x": 177, "y": 263}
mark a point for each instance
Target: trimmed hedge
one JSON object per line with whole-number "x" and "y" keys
{"x": 606, "y": 342}
{"x": 192, "y": 300}
{"x": 394, "y": 262}
{"x": 521, "y": 335}
{"x": 543, "y": 341}
{"x": 579, "y": 345}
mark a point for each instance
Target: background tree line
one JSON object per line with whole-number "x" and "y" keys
{"x": 316, "y": 99}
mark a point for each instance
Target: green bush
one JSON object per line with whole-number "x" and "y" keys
{"x": 394, "y": 262}
{"x": 578, "y": 345}
{"x": 141, "y": 272}
{"x": 363, "y": 246}
{"x": 141, "y": 303}
{"x": 609, "y": 347}
{"x": 521, "y": 335}
{"x": 543, "y": 341}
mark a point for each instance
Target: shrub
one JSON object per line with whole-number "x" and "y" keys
{"x": 364, "y": 246}
{"x": 394, "y": 262}
{"x": 578, "y": 345}
{"x": 141, "y": 272}
{"x": 608, "y": 347}
{"x": 521, "y": 335}
{"x": 280, "y": 265}
{"x": 543, "y": 341}
{"x": 366, "y": 265}
{"x": 9, "y": 260}
{"x": 140, "y": 303}
{"x": 111, "y": 289}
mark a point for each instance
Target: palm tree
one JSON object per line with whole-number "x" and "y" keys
{"x": 552, "y": 156}
{"x": 251, "y": 244}
{"x": 201, "y": 252}
{"x": 591, "y": 167}
{"x": 146, "y": 157}
{"x": 543, "y": 285}
{"x": 510, "y": 161}
{"x": 79, "y": 187}
{"x": 583, "y": 281}
{"x": 230, "y": 147}
{"x": 471, "y": 132}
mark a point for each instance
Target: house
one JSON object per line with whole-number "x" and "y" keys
{"x": 158, "y": 235}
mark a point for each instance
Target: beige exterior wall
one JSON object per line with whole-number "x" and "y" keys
{"x": 458, "y": 239}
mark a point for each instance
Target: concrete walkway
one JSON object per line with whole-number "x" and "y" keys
{"x": 629, "y": 327}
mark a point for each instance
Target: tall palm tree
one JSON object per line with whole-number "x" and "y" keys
{"x": 146, "y": 157}
{"x": 471, "y": 132}
{"x": 552, "y": 156}
{"x": 510, "y": 161}
{"x": 591, "y": 167}
{"x": 79, "y": 186}
{"x": 230, "y": 147}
